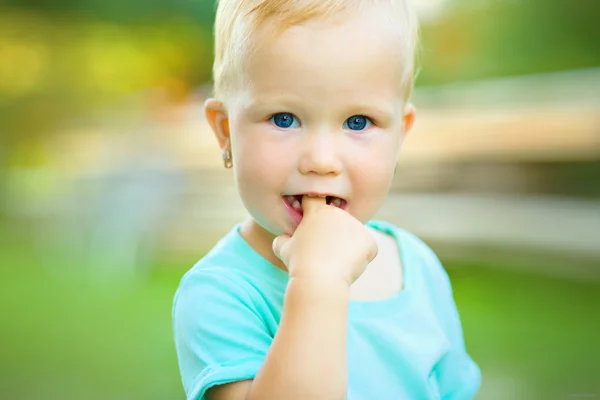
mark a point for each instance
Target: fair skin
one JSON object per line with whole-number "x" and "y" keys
{"x": 311, "y": 123}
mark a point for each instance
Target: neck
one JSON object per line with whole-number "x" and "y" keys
{"x": 261, "y": 241}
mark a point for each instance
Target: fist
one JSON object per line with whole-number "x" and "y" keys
{"x": 329, "y": 244}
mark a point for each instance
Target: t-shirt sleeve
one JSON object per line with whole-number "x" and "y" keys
{"x": 457, "y": 375}
{"x": 219, "y": 336}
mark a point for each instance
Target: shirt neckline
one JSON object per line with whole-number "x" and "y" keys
{"x": 367, "y": 309}
{"x": 357, "y": 308}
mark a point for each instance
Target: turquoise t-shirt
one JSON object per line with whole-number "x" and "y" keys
{"x": 409, "y": 346}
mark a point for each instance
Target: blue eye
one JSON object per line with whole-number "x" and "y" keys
{"x": 357, "y": 123}
{"x": 285, "y": 120}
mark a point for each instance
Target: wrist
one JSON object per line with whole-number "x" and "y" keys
{"x": 321, "y": 277}
{"x": 334, "y": 289}
{"x": 319, "y": 274}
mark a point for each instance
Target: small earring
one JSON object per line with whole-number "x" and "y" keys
{"x": 227, "y": 158}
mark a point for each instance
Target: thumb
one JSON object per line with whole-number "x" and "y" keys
{"x": 278, "y": 244}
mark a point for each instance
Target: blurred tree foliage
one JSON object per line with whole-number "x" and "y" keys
{"x": 478, "y": 39}
{"x": 58, "y": 64}
{"x": 131, "y": 11}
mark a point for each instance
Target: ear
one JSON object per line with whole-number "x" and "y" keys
{"x": 408, "y": 119}
{"x": 217, "y": 118}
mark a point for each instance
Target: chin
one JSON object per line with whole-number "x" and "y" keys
{"x": 268, "y": 228}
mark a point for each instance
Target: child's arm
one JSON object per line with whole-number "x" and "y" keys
{"x": 307, "y": 359}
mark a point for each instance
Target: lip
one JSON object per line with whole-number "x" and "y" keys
{"x": 317, "y": 194}
{"x": 295, "y": 214}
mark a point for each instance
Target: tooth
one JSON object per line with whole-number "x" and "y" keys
{"x": 296, "y": 205}
{"x": 337, "y": 202}
{"x": 290, "y": 199}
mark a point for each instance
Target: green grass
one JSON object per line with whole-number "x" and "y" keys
{"x": 533, "y": 336}
{"x": 78, "y": 340}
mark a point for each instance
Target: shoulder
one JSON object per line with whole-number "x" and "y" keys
{"x": 215, "y": 277}
{"x": 408, "y": 241}
{"x": 417, "y": 254}
{"x": 210, "y": 282}
{"x": 213, "y": 288}
{"x": 220, "y": 334}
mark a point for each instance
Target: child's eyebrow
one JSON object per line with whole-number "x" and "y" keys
{"x": 258, "y": 104}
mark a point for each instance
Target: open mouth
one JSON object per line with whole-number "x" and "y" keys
{"x": 295, "y": 202}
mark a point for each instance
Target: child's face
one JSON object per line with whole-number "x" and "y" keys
{"x": 321, "y": 113}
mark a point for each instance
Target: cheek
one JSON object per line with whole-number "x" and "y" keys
{"x": 259, "y": 161}
{"x": 376, "y": 177}
{"x": 373, "y": 172}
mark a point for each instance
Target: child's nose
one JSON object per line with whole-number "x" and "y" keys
{"x": 320, "y": 155}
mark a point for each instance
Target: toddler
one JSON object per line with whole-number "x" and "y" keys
{"x": 309, "y": 298}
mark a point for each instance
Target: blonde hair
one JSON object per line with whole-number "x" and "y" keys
{"x": 236, "y": 20}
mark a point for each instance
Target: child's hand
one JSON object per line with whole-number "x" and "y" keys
{"x": 329, "y": 244}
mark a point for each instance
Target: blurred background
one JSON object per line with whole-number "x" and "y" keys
{"x": 111, "y": 187}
